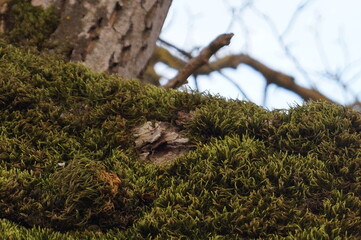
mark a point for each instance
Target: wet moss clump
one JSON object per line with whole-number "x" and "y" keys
{"x": 70, "y": 169}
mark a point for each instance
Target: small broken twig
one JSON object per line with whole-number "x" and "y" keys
{"x": 199, "y": 61}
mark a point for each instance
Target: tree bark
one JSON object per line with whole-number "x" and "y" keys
{"x": 117, "y": 36}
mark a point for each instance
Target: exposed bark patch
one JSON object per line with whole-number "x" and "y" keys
{"x": 159, "y": 142}
{"x": 183, "y": 118}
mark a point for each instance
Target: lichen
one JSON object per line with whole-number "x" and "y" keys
{"x": 70, "y": 167}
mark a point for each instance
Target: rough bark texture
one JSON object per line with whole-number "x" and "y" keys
{"x": 117, "y": 36}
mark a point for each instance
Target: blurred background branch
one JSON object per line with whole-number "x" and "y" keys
{"x": 292, "y": 73}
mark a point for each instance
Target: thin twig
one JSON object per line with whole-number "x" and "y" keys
{"x": 199, "y": 61}
{"x": 300, "y": 8}
{"x": 235, "y": 84}
{"x": 188, "y": 55}
{"x": 285, "y": 46}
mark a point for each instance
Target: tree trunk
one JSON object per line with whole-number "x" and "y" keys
{"x": 117, "y": 36}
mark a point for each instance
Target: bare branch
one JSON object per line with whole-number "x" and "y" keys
{"x": 186, "y": 54}
{"x": 233, "y": 61}
{"x": 164, "y": 56}
{"x": 295, "y": 15}
{"x": 271, "y": 76}
{"x": 265, "y": 92}
{"x": 199, "y": 61}
{"x": 285, "y": 46}
{"x": 320, "y": 45}
{"x": 235, "y": 84}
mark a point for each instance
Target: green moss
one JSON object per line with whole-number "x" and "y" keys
{"x": 239, "y": 188}
{"x": 220, "y": 118}
{"x": 69, "y": 168}
{"x": 28, "y": 25}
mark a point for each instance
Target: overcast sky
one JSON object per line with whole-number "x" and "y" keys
{"x": 325, "y": 36}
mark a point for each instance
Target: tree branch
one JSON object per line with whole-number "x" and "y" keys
{"x": 280, "y": 79}
{"x": 233, "y": 61}
{"x": 199, "y": 61}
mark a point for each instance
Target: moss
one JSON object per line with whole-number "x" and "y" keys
{"x": 220, "y": 118}
{"x": 70, "y": 170}
{"x": 28, "y": 25}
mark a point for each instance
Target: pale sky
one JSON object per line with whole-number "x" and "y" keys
{"x": 325, "y": 36}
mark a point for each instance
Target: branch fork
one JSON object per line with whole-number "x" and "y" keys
{"x": 202, "y": 59}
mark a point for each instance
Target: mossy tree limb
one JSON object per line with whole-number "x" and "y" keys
{"x": 70, "y": 161}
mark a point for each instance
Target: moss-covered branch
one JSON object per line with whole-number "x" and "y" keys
{"x": 70, "y": 167}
